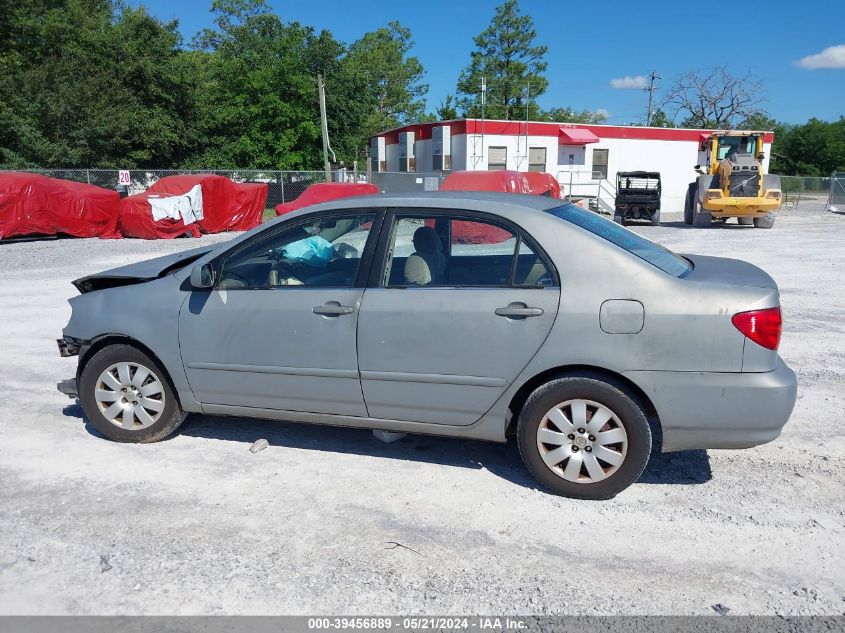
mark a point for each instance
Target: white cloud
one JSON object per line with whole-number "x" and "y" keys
{"x": 629, "y": 83}
{"x": 831, "y": 57}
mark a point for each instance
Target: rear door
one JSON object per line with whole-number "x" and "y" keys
{"x": 443, "y": 351}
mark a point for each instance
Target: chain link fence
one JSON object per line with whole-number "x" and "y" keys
{"x": 804, "y": 191}
{"x": 283, "y": 186}
{"x": 836, "y": 198}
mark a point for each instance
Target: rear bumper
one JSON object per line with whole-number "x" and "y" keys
{"x": 719, "y": 410}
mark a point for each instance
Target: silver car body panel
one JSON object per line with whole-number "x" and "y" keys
{"x": 710, "y": 386}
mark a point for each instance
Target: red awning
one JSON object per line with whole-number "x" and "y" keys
{"x": 576, "y": 136}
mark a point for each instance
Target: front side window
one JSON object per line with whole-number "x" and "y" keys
{"x": 441, "y": 251}
{"x": 323, "y": 252}
{"x": 654, "y": 254}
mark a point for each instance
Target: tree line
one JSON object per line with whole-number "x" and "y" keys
{"x": 97, "y": 83}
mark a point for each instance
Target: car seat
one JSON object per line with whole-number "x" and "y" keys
{"x": 427, "y": 264}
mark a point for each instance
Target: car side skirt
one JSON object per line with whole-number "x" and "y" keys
{"x": 483, "y": 429}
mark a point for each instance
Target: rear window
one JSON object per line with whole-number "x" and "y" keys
{"x": 654, "y": 254}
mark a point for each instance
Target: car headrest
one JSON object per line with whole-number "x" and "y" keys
{"x": 426, "y": 240}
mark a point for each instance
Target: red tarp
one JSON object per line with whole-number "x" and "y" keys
{"x": 541, "y": 183}
{"x": 135, "y": 219}
{"x": 31, "y": 204}
{"x": 227, "y": 205}
{"x": 325, "y": 191}
{"x": 503, "y": 181}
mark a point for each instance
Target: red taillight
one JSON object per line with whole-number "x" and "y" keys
{"x": 761, "y": 326}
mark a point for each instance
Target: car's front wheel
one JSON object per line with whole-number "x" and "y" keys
{"x": 127, "y": 397}
{"x": 583, "y": 437}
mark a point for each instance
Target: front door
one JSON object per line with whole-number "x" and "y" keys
{"x": 460, "y": 308}
{"x": 279, "y": 329}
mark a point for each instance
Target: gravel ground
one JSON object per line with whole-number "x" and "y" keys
{"x": 198, "y": 524}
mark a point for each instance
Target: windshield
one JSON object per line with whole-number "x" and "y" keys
{"x": 654, "y": 254}
{"x": 730, "y": 145}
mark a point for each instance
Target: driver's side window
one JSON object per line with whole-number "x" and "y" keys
{"x": 325, "y": 252}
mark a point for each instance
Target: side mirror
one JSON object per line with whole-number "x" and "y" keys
{"x": 202, "y": 277}
{"x": 761, "y": 156}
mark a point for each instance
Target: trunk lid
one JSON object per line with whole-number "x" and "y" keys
{"x": 728, "y": 271}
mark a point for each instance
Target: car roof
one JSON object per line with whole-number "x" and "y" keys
{"x": 505, "y": 203}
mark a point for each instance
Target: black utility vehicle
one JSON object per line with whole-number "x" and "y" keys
{"x": 637, "y": 196}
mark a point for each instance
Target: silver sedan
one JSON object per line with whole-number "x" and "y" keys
{"x": 462, "y": 314}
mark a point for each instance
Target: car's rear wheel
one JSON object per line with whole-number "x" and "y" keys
{"x": 127, "y": 396}
{"x": 583, "y": 437}
{"x": 765, "y": 222}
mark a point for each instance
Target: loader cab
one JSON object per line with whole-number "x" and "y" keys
{"x": 727, "y": 144}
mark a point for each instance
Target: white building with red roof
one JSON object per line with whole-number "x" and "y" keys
{"x": 584, "y": 158}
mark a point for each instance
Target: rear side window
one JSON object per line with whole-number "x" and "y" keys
{"x": 451, "y": 252}
{"x": 654, "y": 254}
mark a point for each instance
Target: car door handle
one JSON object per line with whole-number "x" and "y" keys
{"x": 518, "y": 311}
{"x": 333, "y": 308}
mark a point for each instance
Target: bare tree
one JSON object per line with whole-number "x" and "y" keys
{"x": 714, "y": 98}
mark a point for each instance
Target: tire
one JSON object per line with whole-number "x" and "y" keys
{"x": 155, "y": 411}
{"x": 688, "y": 204}
{"x": 701, "y": 218}
{"x": 655, "y": 218}
{"x": 536, "y": 421}
{"x": 765, "y": 222}
{"x": 745, "y": 221}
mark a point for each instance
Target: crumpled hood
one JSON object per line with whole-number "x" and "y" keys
{"x": 140, "y": 272}
{"x": 728, "y": 271}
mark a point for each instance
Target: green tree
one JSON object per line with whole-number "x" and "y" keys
{"x": 570, "y": 115}
{"x": 257, "y": 92}
{"x": 392, "y": 78}
{"x": 82, "y": 85}
{"x": 447, "y": 109}
{"x": 660, "y": 119}
{"x": 510, "y": 62}
{"x": 816, "y": 148}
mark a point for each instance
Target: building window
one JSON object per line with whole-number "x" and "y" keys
{"x": 497, "y": 158}
{"x": 537, "y": 159}
{"x": 600, "y": 162}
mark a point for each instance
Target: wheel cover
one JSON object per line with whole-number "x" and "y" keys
{"x": 582, "y": 441}
{"x": 130, "y": 396}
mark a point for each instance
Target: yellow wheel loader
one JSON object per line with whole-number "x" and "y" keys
{"x": 732, "y": 183}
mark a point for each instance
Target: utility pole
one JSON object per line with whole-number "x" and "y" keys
{"x": 650, "y": 91}
{"x": 527, "y": 116}
{"x": 483, "y": 101}
{"x": 321, "y": 89}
